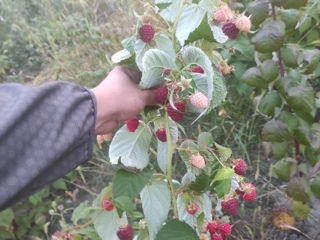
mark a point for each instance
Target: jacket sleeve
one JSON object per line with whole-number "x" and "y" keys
{"x": 45, "y": 132}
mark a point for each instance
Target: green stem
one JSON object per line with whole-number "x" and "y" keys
{"x": 174, "y": 28}
{"x": 169, "y": 167}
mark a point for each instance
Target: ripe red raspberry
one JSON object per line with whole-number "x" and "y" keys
{"x": 192, "y": 208}
{"x": 199, "y": 100}
{"x": 250, "y": 192}
{"x": 198, "y": 161}
{"x": 197, "y": 69}
{"x": 166, "y": 71}
{"x": 240, "y": 192}
{"x": 240, "y": 166}
{"x": 161, "y": 134}
{"x": 125, "y": 233}
{"x": 216, "y": 236}
{"x": 230, "y": 29}
{"x": 107, "y": 205}
{"x": 212, "y": 227}
{"x": 222, "y": 14}
{"x": 225, "y": 229}
{"x": 132, "y": 124}
{"x": 146, "y": 32}
{"x": 174, "y": 114}
{"x": 243, "y": 23}
{"x": 161, "y": 94}
{"x": 231, "y": 206}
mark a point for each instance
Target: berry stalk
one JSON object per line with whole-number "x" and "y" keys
{"x": 169, "y": 167}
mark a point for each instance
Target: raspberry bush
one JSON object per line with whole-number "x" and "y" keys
{"x": 146, "y": 199}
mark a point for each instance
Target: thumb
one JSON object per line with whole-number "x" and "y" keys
{"x": 149, "y": 97}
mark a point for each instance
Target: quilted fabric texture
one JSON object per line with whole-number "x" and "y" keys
{"x": 45, "y": 132}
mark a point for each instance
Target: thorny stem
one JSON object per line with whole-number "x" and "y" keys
{"x": 169, "y": 167}
{"x": 176, "y": 23}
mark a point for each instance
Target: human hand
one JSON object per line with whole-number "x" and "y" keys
{"x": 119, "y": 98}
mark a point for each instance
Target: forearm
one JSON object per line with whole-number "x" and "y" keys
{"x": 45, "y": 132}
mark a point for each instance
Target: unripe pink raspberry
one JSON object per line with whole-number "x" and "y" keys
{"x": 222, "y": 14}
{"x": 230, "y": 29}
{"x": 216, "y": 236}
{"x": 199, "y": 100}
{"x": 243, "y": 23}
{"x": 166, "y": 71}
{"x": 198, "y": 161}
{"x": 146, "y": 32}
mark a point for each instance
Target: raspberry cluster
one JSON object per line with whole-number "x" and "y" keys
{"x": 218, "y": 230}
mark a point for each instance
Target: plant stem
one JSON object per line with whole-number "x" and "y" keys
{"x": 174, "y": 28}
{"x": 169, "y": 167}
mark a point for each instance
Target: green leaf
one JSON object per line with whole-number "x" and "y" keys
{"x": 170, "y": 12}
{"x": 205, "y": 139}
{"x": 315, "y": 187}
{"x": 165, "y": 44}
{"x": 201, "y": 184}
{"x": 269, "y": 70}
{"x": 293, "y": 3}
{"x": 60, "y": 184}
{"x": 153, "y": 62}
{"x": 156, "y": 202}
{"x": 36, "y": 198}
{"x": 219, "y": 90}
{"x": 285, "y": 168}
{"x": 280, "y": 149}
{"x": 223, "y": 174}
{"x": 302, "y": 134}
{"x": 124, "y": 203}
{"x": 270, "y": 38}
{"x": 275, "y": 131}
{"x": 297, "y": 189}
{"x": 253, "y": 77}
{"x": 107, "y": 224}
{"x": 315, "y": 137}
{"x": 83, "y": 212}
{"x": 6, "y": 218}
{"x": 311, "y": 156}
{"x": 224, "y": 152}
{"x": 269, "y": 102}
{"x": 301, "y": 99}
{"x": 185, "y": 26}
{"x": 187, "y": 149}
{"x": 121, "y": 56}
{"x": 291, "y": 121}
{"x": 290, "y": 18}
{"x": 311, "y": 60}
{"x": 176, "y": 230}
{"x": 300, "y": 210}
{"x": 223, "y": 187}
{"x": 140, "y": 49}
{"x": 259, "y": 11}
{"x": 131, "y": 147}
{"x": 129, "y": 184}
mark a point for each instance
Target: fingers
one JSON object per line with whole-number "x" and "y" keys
{"x": 133, "y": 73}
{"x": 149, "y": 97}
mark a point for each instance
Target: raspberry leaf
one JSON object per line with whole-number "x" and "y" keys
{"x": 129, "y": 184}
{"x": 176, "y": 230}
{"x": 224, "y": 152}
{"x": 154, "y": 61}
{"x": 299, "y": 209}
{"x": 131, "y": 147}
{"x": 275, "y": 131}
{"x": 156, "y": 203}
{"x": 140, "y": 48}
{"x": 121, "y": 57}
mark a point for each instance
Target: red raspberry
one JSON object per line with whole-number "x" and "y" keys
{"x": 192, "y": 208}
{"x": 107, "y": 205}
{"x": 197, "y": 69}
{"x": 174, "y": 114}
{"x": 225, "y": 229}
{"x": 250, "y": 192}
{"x": 125, "y": 233}
{"x": 231, "y": 206}
{"x": 212, "y": 227}
{"x": 216, "y": 236}
{"x": 240, "y": 166}
{"x": 161, "y": 134}
{"x": 222, "y": 14}
{"x": 132, "y": 124}
{"x": 146, "y": 32}
{"x": 199, "y": 100}
{"x": 198, "y": 161}
{"x": 240, "y": 192}
{"x": 161, "y": 94}
{"x": 230, "y": 29}
{"x": 166, "y": 71}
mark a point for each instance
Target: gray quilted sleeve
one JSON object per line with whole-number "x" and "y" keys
{"x": 45, "y": 132}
